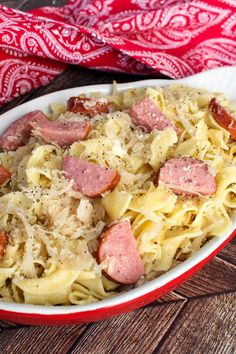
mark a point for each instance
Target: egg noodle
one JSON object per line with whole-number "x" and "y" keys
{"x": 54, "y": 230}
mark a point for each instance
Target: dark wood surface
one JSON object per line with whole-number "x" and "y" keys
{"x": 199, "y": 317}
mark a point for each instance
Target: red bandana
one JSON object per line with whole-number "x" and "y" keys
{"x": 175, "y": 37}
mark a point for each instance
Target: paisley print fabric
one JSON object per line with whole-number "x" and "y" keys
{"x": 173, "y": 37}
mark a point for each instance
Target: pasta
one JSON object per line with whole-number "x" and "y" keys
{"x": 54, "y": 230}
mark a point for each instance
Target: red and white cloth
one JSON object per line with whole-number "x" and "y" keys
{"x": 173, "y": 37}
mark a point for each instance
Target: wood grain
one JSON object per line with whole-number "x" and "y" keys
{"x": 138, "y": 332}
{"x": 229, "y": 252}
{"x": 205, "y": 326}
{"x": 26, "y": 5}
{"x": 32, "y": 4}
{"x": 15, "y": 4}
{"x": 171, "y": 297}
{"x": 217, "y": 276}
{"x": 6, "y": 324}
{"x": 40, "y": 340}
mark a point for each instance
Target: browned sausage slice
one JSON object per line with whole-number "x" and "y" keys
{"x": 63, "y": 134}
{"x": 223, "y": 118}
{"x": 4, "y": 175}
{"x": 89, "y": 106}
{"x": 187, "y": 176}
{"x": 147, "y": 116}
{"x": 4, "y": 240}
{"x": 19, "y": 132}
{"x": 118, "y": 248}
{"x": 90, "y": 179}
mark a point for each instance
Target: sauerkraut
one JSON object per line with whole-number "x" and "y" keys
{"x": 54, "y": 230}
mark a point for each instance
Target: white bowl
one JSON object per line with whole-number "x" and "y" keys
{"x": 220, "y": 80}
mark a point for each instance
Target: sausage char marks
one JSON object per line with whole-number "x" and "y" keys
{"x": 4, "y": 240}
{"x": 5, "y": 175}
{"x": 89, "y": 106}
{"x": 223, "y": 118}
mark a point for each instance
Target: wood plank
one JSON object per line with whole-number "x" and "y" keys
{"x": 40, "y": 340}
{"x": 6, "y": 324}
{"x": 137, "y": 332}
{"x": 15, "y": 4}
{"x": 171, "y": 297}
{"x": 31, "y": 4}
{"x": 204, "y": 326}
{"x": 15, "y": 103}
{"x": 77, "y": 76}
{"x": 216, "y": 277}
{"x": 229, "y": 252}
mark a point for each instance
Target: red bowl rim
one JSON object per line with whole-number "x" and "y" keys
{"x": 210, "y": 249}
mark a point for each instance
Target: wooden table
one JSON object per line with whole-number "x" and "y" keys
{"x": 199, "y": 317}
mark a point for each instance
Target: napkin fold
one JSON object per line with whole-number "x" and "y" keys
{"x": 173, "y": 37}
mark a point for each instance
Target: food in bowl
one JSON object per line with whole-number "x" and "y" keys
{"x": 110, "y": 192}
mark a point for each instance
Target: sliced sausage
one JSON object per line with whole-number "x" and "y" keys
{"x": 5, "y": 175}
{"x": 223, "y": 118}
{"x": 4, "y": 240}
{"x": 187, "y": 176}
{"x": 147, "y": 116}
{"x": 63, "y": 134}
{"x": 89, "y": 106}
{"x": 19, "y": 132}
{"x": 90, "y": 179}
{"x": 118, "y": 248}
